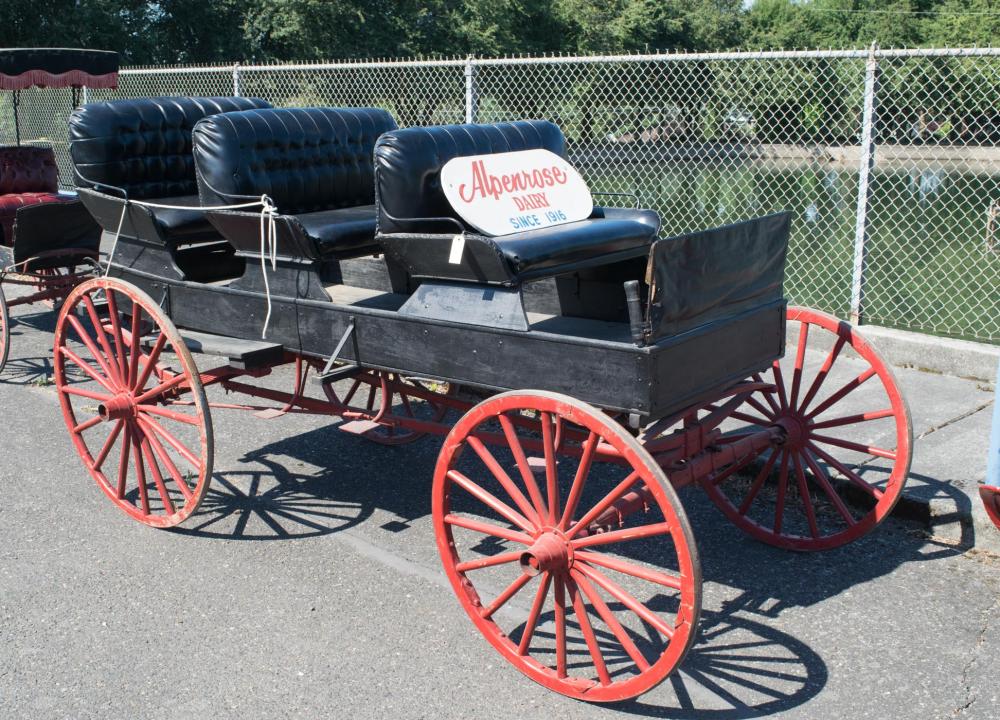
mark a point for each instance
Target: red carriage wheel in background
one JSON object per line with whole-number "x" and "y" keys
{"x": 152, "y": 457}
{"x": 587, "y": 578}
{"x": 4, "y": 331}
{"x": 847, "y": 448}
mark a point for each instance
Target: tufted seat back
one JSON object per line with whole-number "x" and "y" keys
{"x": 306, "y": 159}
{"x": 143, "y": 146}
{"x": 28, "y": 169}
{"x": 409, "y": 166}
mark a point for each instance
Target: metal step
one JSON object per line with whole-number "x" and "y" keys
{"x": 242, "y": 354}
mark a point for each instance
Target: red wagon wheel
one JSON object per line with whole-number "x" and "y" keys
{"x": 4, "y": 331}
{"x": 847, "y": 451}
{"x": 990, "y": 496}
{"x": 558, "y": 572}
{"x": 152, "y": 457}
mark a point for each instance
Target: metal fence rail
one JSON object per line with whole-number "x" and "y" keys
{"x": 889, "y": 159}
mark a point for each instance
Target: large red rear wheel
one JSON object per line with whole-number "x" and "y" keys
{"x": 4, "y": 331}
{"x": 586, "y": 578}
{"x": 150, "y": 455}
{"x": 847, "y": 446}
{"x": 991, "y": 501}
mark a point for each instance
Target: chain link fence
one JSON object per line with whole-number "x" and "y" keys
{"x": 889, "y": 159}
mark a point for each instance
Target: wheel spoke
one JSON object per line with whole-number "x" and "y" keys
{"x": 88, "y": 369}
{"x": 824, "y": 482}
{"x": 350, "y": 393}
{"x": 605, "y": 613}
{"x": 626, "y": 599}
{"x": 123, "y": 462}
{"x": 551, "y": 478}
{"x": 151, "y": 360}
{"x": 758, "y": 483}
{"x": 89, "y": 394}
{"x": 491, "y": 501}
{"x": 807, "y": 502}
{"x": 151, "y": 425}
{"x": 842, "y": 393}
{"x": 653, "y": 576}
{"x": 767, "y": 396}
{"x": 161, "y": 452}
{"x": 779, "y": 383}
{"x": 560, "y": 615}
{"x": 522, "y": 464}
{"x": 824, "y": 371}
{"x": 87, "y": 424}
{"x": 160, "y": 389}
{"x": 114, "y": 363}
{"x": 513, "y": 589}
{"x": 604, "y": 504}
{"x": 799, "y": 362}
{"x": 856, "y": 479}
{"x": 536, "y": 610}
{"x": 857, "y": 447}
{"x": 140, "y": 471}
{"x": 487, "y": 529}
{"x": 499, "y": 559}
{"x": 779, "y": 507}
{"x": 853, "y": 419}
{"x": 622, "y": 535}
{"x": 108, "y": 444}
{"x": 504, "y": 479}
{"x": 161, "y": 488}
{"x": 89, "y": 344}
{"x": 169, "y": 414}
{"x": 588, "y": 633}
{"x": 589, "y": 446}
{"x": 116, "y": 330}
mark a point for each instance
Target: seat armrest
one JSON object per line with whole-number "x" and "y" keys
{"x": 242, "y": 230}
{"x": 107, "y": 210}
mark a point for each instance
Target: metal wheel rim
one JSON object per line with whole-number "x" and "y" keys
{"x": 689, "y": 575}
{"x": 144, "y": 446}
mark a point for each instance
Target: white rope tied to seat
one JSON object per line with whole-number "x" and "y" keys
{"x": 268, "y": 236}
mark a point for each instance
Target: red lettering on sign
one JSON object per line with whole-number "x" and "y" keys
{"x": 485, "y": 185}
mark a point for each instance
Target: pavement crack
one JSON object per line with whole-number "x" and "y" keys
{"x": 970, "y": 695}
{"x": 954, "y": 420}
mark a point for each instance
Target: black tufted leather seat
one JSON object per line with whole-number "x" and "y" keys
{"x": 142, "y": 148}
{"x": 314, "y": 163}
{"x": 416, "y": 222}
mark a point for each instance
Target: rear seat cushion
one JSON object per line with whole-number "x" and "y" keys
{"x": 535, "y": 252}
{"x": 182, "y": 225}
{"x": 342, "y": 230}
{"x": 28, "y": 169}
{"x": 10, "y": 203}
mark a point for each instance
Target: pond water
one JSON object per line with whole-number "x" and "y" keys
{"x": 929, "y": 267}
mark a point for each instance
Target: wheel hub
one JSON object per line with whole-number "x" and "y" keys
{"x": 550, "y": 552}
{"x": 117, "y": 408}
{"x": 796, "y": 429}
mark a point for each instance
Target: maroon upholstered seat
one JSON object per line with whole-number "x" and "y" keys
{"x": 11, "y": 202}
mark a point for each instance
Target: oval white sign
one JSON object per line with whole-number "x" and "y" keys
{"x": 512, "y": 192}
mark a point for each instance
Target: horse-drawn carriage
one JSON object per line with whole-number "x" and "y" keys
{"x": 48, "y": 240}
{"x": 581, "y": 373}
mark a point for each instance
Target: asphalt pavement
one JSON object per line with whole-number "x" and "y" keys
{"x": 309, "y": 586}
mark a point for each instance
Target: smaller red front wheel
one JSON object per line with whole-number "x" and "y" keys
{"x": 991, "y": 501}
{"x": 120, "y": 368}
{"x": 585, "y": 578}
{"x": 4, "y": 330}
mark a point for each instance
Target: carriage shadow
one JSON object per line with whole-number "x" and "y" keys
{"x": 740, "y": 665}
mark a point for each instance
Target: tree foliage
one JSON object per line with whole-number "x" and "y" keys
{"x": 197, "y": 31}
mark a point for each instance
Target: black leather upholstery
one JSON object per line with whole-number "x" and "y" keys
{"x": 143, "y": 147}
{"x": 411, "y": 205}
{"x": 409, "y": 166}
{"x": 314, "y": 163}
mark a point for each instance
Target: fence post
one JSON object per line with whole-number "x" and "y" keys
{"x": 236, "y": 80}
{"x": 471, "y": 92}
{"x": 865, "y": 167}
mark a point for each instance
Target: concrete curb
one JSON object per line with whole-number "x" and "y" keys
{"x": 947, "y": 356}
